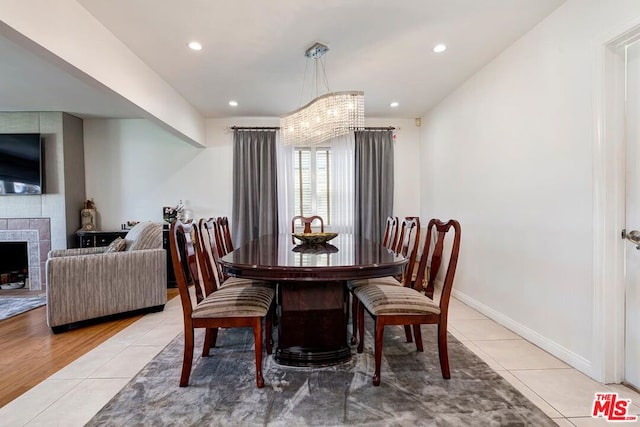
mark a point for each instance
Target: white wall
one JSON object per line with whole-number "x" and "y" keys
{"x": 510, "y": 154}
{"x": 133, "y": 168}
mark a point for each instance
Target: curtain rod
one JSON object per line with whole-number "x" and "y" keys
{"x": 255, "y": 128}
{"x": 278, "y": 127}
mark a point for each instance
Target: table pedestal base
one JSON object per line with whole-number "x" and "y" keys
{"x": 298, "y": 356}
{"x": 312, "y": 324}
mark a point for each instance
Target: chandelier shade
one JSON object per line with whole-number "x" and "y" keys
{"x": 328, "y": 116}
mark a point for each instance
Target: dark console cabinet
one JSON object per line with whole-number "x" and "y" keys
{"x": 171, "y": 275}
{"x": 91, "y": 239}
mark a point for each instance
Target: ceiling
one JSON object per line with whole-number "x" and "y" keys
{"x": 253, "y": 53}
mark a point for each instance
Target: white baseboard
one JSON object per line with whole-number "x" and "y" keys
{"x": 574, "y": 360}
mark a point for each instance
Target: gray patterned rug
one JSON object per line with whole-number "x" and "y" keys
{"x": 12, "y": 306}
{"x": 222, "y": 390}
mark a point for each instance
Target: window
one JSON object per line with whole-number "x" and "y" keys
{"x": 312, "y": 184}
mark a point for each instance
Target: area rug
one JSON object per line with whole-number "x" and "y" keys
{"x": 12, "y": 306}
{"x": 222, "y": 389}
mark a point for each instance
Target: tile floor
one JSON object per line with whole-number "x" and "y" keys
{"x": 74, "y": 394}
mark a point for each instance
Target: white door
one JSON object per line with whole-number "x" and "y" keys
{"x": 632, "y": 255}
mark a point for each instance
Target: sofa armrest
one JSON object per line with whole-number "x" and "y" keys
{"x": 96, "y": 285}
{"x": 76, "y": 252}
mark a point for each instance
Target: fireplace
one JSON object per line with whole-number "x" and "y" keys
{"x": 36, "y": 234}
{"x": 14, "y": 265}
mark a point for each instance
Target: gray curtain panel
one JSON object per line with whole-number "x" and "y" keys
{"x": 373, "y": 182}
{"x": 255, "y": 194}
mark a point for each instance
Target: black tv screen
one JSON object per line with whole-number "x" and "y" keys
{"x": 21, "y": 163}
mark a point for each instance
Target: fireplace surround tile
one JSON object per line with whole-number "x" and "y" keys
{"x": 12, "y": 235}
{"x": 3, "y": 224}
{"x": 42, "y": 227}
{"x": 18, "y": 224}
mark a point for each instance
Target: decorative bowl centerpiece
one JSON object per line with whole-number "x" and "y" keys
{"x": 314, "y": 238}
{"x": 315, "y": 248}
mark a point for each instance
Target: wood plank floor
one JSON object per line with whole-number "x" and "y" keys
{"x": 30, "y": 352}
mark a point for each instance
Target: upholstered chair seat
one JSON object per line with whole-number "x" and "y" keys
{"x": 387, "y": 280}
{"x": 385, "y": 299}
{"x": 237, "y": 281}
{"x": 247, "y": 301}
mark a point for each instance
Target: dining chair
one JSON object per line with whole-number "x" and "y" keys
{"x": 225, "y": 234}
{"x": 208, "y": 256}
{"x": 306, "y": 222}
{"x": 404, "y": 305}
{"x": 390, "y": 236}
{"x": 234, "y": 306}
{"x": 407, "y": 247}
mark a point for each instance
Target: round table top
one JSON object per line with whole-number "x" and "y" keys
{"x": 343, "y": 258}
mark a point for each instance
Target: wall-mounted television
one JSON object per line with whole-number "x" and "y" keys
{"x": 21, "y": 163}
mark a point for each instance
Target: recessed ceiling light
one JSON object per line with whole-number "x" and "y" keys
{"x": 233, "y": 103}
{"x": 393, "y": 105}
{"x": 439, "y": 48}
{"x": 195, "y": 45}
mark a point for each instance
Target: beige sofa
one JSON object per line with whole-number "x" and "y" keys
{"x": 90, "y": 283}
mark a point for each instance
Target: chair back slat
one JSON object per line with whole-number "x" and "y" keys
{"x": 408, "y": 243}
{"x": 183, "y": 257}
{"x": 225, "y": 234}
{"x": 207, "y": 229}
{"x": 306, "y": 222}
{"x": 433, "y": 259}
{"x": 389, "y": 239}
{"x": 219, "y": 238}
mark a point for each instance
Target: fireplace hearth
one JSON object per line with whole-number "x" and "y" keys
{"x": 36, "y": 234}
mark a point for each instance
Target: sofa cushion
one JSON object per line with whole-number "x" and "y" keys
{"x": 144, "y": 235}
{"x": 116, "y": 246}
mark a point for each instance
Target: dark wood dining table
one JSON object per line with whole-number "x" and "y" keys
{"x": 312, "y": 298}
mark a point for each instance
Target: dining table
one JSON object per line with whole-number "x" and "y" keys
{"x": 311, "y": 293}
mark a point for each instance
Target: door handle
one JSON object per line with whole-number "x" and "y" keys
{"x": 633, "y": 236}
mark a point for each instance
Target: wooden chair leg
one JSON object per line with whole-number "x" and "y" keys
{"x": 407, "y": 333}
{"x": 214, "y": 337}
{"x": 274, "y": 324}
{"x": 210, "y": 338}
{"x": 188, "y": 357}
{"x": 207, "y": 342}
{"x": 268, "y": 328}
{"x": 257, "y": 344}
{"x": 361, "y": 327}
{"x": 354, "y": 319}
{"x": 378, "y": 352}
{"x": 442, "y": 351}
{"x": 418, "y": 334}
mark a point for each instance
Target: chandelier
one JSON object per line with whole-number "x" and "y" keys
{"x": 327, "y": 116}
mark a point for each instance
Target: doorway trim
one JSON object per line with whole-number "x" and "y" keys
{"x": 609, "y": 207}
